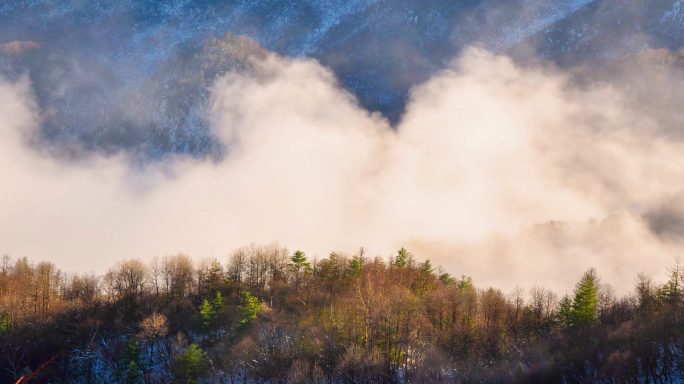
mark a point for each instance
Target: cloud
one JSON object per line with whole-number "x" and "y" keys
{"x": 485, "y": 151}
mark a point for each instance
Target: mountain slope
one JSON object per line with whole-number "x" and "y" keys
{"x": 94, "y": 57}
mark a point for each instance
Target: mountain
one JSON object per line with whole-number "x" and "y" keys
{"x": 91, "y": 61}
{"x": 607, "y": 30}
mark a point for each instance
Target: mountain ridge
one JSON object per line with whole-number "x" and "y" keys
{"x": 377, "y": 49}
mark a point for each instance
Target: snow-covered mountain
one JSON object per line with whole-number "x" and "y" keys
{"x": 91, "y": 60}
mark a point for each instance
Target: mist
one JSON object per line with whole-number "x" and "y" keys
{"x": 485, "y": 154}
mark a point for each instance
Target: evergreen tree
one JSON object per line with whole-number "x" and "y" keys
{"x": 131, "y": 363}
{"x": 355, "y": 266}
{"x": 424, "y": 281}
{"x": 446, "y": 279}
{"x": 248, "y": 308}
{"x": 206, "y": 317}
{"x": 671, "y": 293}
{"x": 299, "y": 262}
{"x": 5, "y": 323}
{"x": 564, "y": 314}
{"x": 218, "y": 304}
{"x": 466, "y": 282}
{"x": 427, "y": 267}
{"x": 190, "y": 366}
{"x": 361, "y": 256}
{"x": 402, "y": 259}
{"x": 330, "y": 268}
{"x": 586, "y": 299}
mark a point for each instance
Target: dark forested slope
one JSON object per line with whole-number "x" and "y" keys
{"x": 272, "y": 316}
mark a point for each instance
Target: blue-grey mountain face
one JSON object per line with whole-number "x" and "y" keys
{"x": 607, "y": 30}
{"x": 132, "y": 75}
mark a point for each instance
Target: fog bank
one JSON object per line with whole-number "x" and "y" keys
{"x": 485, "y": 152}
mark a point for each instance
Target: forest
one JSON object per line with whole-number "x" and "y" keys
{"x": 269, "y": 315}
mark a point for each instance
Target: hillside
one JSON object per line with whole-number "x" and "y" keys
{"x": 94, "y": 57}
{"x": 274, "y": 316}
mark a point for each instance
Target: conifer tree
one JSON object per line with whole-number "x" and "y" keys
{"x": 191, "y": 365}
{"x": 446, "y": 279}
{"x": 402, "y": 258}
{"x": 330, "y": 267}
{"x": 131, "y": 363}
{"x": 218, "y": 304}
{"x": 207, "y": 317}
{"x": 248, "y": 308}
{"x": 361, "y": 255}
{"x": 299, "y": 262}
{"x": 466, "y": 282}
{"x": 355, "y": 266}
{"x": 427, "y": 267}
{"x": 564, "y": 314}
{"x": 5, "y": 322}
{"x": 671, "y": 293}
{"x": 586, "y": 299}
{"x": 424, "y": 280}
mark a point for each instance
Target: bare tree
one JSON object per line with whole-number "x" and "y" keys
{"x": 127, "y": 280}
{"x": 177, "y": 272}
{"x": 155, "y": 273}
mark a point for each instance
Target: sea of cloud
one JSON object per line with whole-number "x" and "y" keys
{"x": 486, "y": 154}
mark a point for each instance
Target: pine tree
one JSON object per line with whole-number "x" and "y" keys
{"x": 206, "y": 317}
{"x": 299, "y": 262}
{"x": 218, "y": 304}
{"x": 361, "y": 256}
{"x": 446, "y": 279}
{"x": 671, "y": 293}
{"x": 402, "y": 258}
{"x": 330, "y": 267}
{"x": 5, "y": 323}
{"x": 425, "y": 279}
{"x": 355, "y": 266}
{"x": 427, "y": 267}
{"x": 190, "y": 365}
{"x": 564, "y": 314}
{"x": 131, "y": 363}
{"x": 248, "y": 308}
{"x": 466, "y": 282}
{"x": 586, "y": 299}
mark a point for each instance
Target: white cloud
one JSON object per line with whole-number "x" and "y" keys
{"x": 485, "y": 150}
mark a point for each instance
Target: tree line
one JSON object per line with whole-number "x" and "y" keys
{"x": 269, "y": 315}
